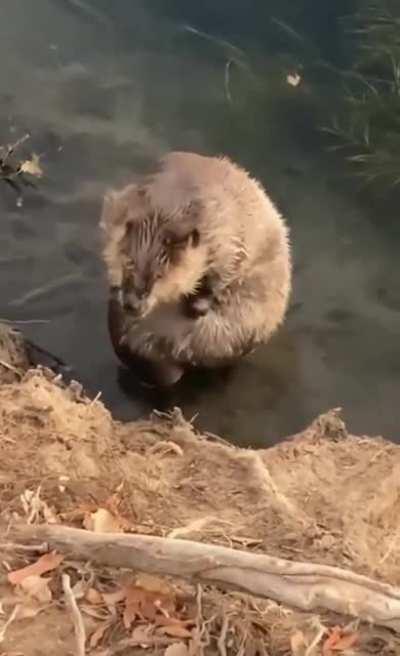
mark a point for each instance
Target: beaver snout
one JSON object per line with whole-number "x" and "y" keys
{"x": 135, "y": 303}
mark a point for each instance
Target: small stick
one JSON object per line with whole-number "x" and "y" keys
{"x": 79, "y": 626}
{"x": 13, "y": 147}
{"x": 9, "y": 622}
{"x": 222, "y": 637}
{"x": 24, "y": 321}
{"x": 27, "y": 548}
{"x": 10, "y": 367}
{"x": 227, "y": 81}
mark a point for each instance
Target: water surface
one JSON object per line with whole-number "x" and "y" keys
{"x": 104, "y": 90}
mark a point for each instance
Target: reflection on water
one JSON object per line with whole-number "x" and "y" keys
{"x": 104, "y": 90}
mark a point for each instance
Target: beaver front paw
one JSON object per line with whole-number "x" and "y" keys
{"x": 197, "y": 306}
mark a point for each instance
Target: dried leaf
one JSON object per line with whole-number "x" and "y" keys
{"x": 347, "y": 641}
{"x": 176, "y": 630}
{"x": 146, "y": 604}
{"x": 297, "y": 643}
{"x": 141, "y": 636}
{"x": 137, "y": 605}
{"x": 338, "y": 640}
{"x": 293, "y": 79}
{"x": 177, "y": 649}
{"x": 114, "y": 598}
{"x": 32, "y": 166}
{"x": 94, "y": 597}
{"x": 102, "y": 521}
{"x": 112, "y": 505}
{"x": 37, "y": 587}
{"x": 101, "y": 614}
{"x": 98, "y": 634}
{"x": 45, "y": 563}
{"x": 155, "y": 584}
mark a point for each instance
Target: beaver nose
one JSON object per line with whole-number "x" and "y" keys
{"x": 134, "y": 301}
{"x": 132, "y": 305}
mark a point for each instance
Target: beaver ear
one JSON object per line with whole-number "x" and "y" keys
{"x": 114, "y": 211}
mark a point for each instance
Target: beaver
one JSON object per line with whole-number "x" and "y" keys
{"x": 199, "y": 267}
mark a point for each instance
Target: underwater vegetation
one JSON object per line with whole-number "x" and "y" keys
{"x": 367, "y": 123}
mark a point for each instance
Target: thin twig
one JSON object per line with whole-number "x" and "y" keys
{"x": 79, "y": 627}
{"x": 96, "y": 398}
{"x": 227, "y": 81}
{"x": 24, "y": 321}
{"x": 13, "y": 147}
{"x": 221, "y": 642}
{"x": 27, "y": 548}
{"x": 9, "y": 621}
{"x": 10, "y": 367}
{"x": 311, "y": 648}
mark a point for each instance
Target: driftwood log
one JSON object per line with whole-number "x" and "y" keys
{"x": 306, "y": 586}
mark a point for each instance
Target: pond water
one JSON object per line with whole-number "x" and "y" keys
{"x": 104, "y": 88}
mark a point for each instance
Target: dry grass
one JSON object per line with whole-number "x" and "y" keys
{"x": 323, "y": 496}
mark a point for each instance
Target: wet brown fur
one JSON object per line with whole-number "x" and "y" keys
{"x": 242, "y": 258}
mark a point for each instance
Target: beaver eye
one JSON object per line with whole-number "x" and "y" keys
{"x": 195, "y": 238}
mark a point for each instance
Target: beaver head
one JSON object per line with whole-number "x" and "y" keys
{"x": 153, "y": 256}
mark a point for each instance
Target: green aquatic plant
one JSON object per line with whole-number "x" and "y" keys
{"x": 367, "y": 125}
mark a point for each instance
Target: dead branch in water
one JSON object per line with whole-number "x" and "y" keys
{"x": 306, "y": 586}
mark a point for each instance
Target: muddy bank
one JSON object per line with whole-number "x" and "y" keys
{"x": 322, "y": 496}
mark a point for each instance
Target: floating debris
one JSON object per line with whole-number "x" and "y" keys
{"x": 32, "y": 166}
{"x": 293, "y": 79}
{"x": 13, "y": 171}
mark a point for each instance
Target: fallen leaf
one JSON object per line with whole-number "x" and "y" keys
{"x": 146, "y": 604}
{"x": 45, "y": 563}
{"x": 102, "y": 521}
{"x": 98, "y": 613}
{"x": 155, "y": 584}
{"x": 32, "y": 166}
{"x": 94, "y": 597}
{"x": 112, "y": 504}
{"x": 293, "y": 79}
{"x": 177, "y": 649}
{"x": 176, "y": 630}
{"x": 339, "y": 641}
{"x": 37, "y": 587}
{"x": 141, "y": 636}
{"x": 297, "y": 643}
{"x": 347, "y": 641}
{"x": 138, "y": 603}
{"x": 113, "y": 598}
{"x": 98, "y": 634}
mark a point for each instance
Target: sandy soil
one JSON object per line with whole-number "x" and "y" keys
{"x": 323, "y": 496}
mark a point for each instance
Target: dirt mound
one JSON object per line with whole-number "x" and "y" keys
{"x": 323, "y": 496}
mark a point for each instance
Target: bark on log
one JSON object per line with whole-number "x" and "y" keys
{"x": 306, "y": 586}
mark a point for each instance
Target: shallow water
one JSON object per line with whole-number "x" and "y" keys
{"x": 104, "y": 91}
